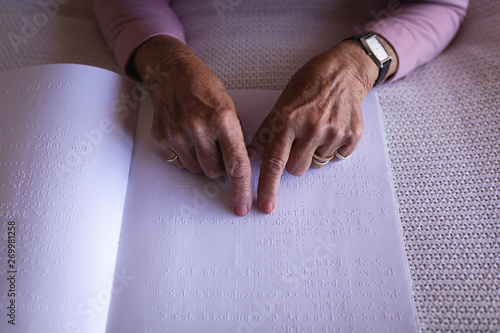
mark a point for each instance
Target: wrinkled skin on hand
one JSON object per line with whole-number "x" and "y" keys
{"x": 318, "y": 112}
{"x": 195, "y": 118}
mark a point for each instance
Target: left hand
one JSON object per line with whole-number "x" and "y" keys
{"x": 318, "y": 112}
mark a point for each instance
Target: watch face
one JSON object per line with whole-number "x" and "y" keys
{"x": 377, "y": 48}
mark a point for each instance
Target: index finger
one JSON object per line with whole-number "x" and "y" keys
{"x": 273, "y": 163}
{"x": 238, "y": 169}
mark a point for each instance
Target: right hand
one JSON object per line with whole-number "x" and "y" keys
{"x": 194, "y": 119}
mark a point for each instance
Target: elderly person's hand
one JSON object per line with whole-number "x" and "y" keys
{"x": 319, "y": 112}
{"x": 195, "y": 123}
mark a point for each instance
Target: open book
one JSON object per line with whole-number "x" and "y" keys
{"x": 99, "y": 234}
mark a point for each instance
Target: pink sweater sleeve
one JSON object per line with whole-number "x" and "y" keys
{"x": 418, "y": 30}
{"x": 126, "y": 24}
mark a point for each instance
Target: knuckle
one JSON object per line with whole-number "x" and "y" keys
{"x": 353, "y": 135}
{"x": 357, "y": 133}
{"x": 194, "y": 127}
{"x": 273, "y": 166}
{"x": 334, "y": 134}
{"x": 238, "y": 169}
{"x": 349, "y": 134}
{"x": 226, "y": 118}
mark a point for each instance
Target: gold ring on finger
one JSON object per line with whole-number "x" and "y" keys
{"x": 315, "y": 161}
{"x": 170, "y": 160}
{"x": 322, "y": 159}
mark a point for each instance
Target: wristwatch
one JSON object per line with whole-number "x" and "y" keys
{"x": 374, "y": 48}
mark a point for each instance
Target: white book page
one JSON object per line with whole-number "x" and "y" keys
{"x": 65, "y": 154}
{"x": 328, "y": 259}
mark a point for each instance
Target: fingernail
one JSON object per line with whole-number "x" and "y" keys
{"x": 267, "y": 207}
{"x": 241, "y": 210}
